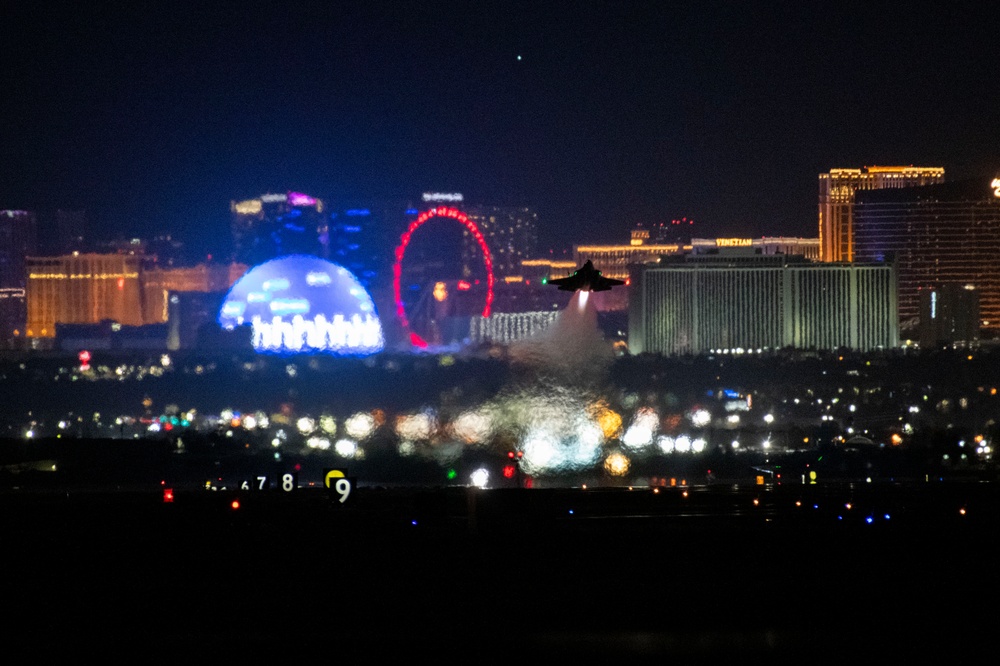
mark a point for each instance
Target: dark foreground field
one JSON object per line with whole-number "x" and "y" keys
{"x": 461, "y": 575}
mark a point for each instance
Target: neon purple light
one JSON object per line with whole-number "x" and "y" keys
{"x": 299, "y": 199}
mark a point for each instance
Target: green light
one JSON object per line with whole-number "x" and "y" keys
{"x": 545, "y": 280}
{"x": 452, "y": 474}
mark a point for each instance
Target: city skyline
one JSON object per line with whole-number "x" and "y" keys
{"x": 388, "y": 427}
{"x": 600, "y": 117}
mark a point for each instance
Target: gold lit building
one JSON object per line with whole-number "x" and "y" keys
{"x": 82, "y": 289}
{"x": 157, "y": 284}
{"x": 836, "y": 201}
{"x": 537, "y": 269}
{"x": 766, "y": 245}
{"x": 613, "y": 260}
{"x": 91, "y": 288}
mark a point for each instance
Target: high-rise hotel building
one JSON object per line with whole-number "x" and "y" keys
{"x": 946, "y": 234}
{"x": 18, "y": 238}
{"x": 82, "y": 289}
{"x": 92, "y": 288}
{"x": 733, "y": 299}
{"x": 273, "y": 225}
{"x": 511, "y": 233}
{"x": 836, "y": 201}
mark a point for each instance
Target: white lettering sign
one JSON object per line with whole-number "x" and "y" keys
{"x": 443, "y": 196}
{"x": 355, "y": 335}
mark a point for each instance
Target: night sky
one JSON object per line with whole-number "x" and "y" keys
{"x": 153, "y": 116}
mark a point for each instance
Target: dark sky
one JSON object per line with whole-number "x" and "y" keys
{"x": 154, "y": 115}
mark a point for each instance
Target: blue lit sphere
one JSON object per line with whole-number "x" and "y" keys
{"x": 301, "y": 304}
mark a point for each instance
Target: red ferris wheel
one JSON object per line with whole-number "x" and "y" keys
{"x": 404, "y": 241}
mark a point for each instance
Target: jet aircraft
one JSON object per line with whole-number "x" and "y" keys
{"x": 586, "y": 278}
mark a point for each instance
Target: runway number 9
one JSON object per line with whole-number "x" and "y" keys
{"x": 343, "y": 488}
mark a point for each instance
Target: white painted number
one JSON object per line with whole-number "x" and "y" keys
{"x": 287, "y": 483}
{"x": 261, "y": 482}
{"x": 343, "y": 488}
{"x": 244, "y": 486}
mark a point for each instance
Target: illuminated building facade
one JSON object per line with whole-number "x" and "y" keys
{"x": 538, "y": 270}
{"x": 94, "y": 288}
{"x": 82, "y": 289}
{"x": 614, "y": 260}
{"x": 510, "y": 233}
{"x": 675, "y": 232}
{"x": 836, "y": 201}
{"x": 730, "y": 301}
{"x": 278, "y": 224}
{"x": 936, "y": 235}
{"x": 358, "y": 239}
{"x": 18, "y": 239}
{"x": 303, "y": 304}
{"x": 805, "y": 247}
{"x": 13, "y": 312}
{"x": 157, "y": 284}
{"x": 949, "y": 314}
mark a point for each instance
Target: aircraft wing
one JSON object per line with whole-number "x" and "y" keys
{"x": 601, "y": 283}
{"x": 571, "y": 283}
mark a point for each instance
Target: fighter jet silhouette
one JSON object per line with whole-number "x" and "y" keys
{"x": 586, "y": 278}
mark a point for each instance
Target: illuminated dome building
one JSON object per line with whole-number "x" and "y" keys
{"x": 273, "y": 225}
{"x": 304, "y": 304}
